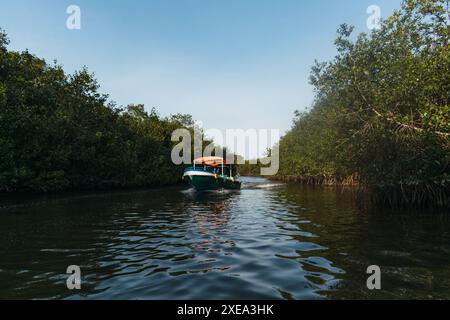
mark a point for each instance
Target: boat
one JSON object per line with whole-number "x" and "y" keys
{"x": 213, "y": 173}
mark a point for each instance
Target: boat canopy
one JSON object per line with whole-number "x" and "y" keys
{"x": 210, "y": 161}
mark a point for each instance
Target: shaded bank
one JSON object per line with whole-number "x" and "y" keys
{"x": 381, "y": 112}
{"x": 58, "y": 132}
{"x": 403, "y": 196}
{"x": 320, "y": 180}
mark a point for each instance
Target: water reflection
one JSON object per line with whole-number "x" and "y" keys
{"x": 267, "y": 241}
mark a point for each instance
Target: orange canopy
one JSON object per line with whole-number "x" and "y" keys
{"x": 210, "y": 161}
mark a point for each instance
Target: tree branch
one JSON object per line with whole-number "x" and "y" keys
{"x": 391, "y": 119}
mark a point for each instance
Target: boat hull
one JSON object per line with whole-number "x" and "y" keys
{"x": 203, "y": 181}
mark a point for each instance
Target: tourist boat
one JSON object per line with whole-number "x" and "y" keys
{"x": 213, "y": 173}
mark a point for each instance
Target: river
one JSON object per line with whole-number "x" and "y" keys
{"x": 267, "y": 241}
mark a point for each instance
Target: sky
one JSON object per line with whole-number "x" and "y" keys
{"x": 230, "y": 64}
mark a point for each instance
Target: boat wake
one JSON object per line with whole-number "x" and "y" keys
{"x": 192, "y": 191}
{"x": 257, "y": 186}
{"x": 247, "y": 184}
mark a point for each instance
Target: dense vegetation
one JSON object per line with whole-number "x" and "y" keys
{"x": 382, "y": 112}
{"x": 57, "y": 132}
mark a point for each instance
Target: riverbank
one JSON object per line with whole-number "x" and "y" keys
{"x": 64, "y": 135}
{"x": 331, "y": 181}
{"x": 381, "y": 111}
{"x": 414, "y": 196}
{"x": 90, "y": 191}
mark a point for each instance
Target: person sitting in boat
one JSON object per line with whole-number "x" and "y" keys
{"x": 235, "y": 173}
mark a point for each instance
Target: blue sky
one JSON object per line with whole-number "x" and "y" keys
{"x": 231, "y": 64}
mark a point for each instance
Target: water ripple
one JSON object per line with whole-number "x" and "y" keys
{"x": 267, "y": 241}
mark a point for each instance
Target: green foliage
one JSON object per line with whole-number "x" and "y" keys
{"x": 57, "y": 132}
{"x": 382, "y": 109}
